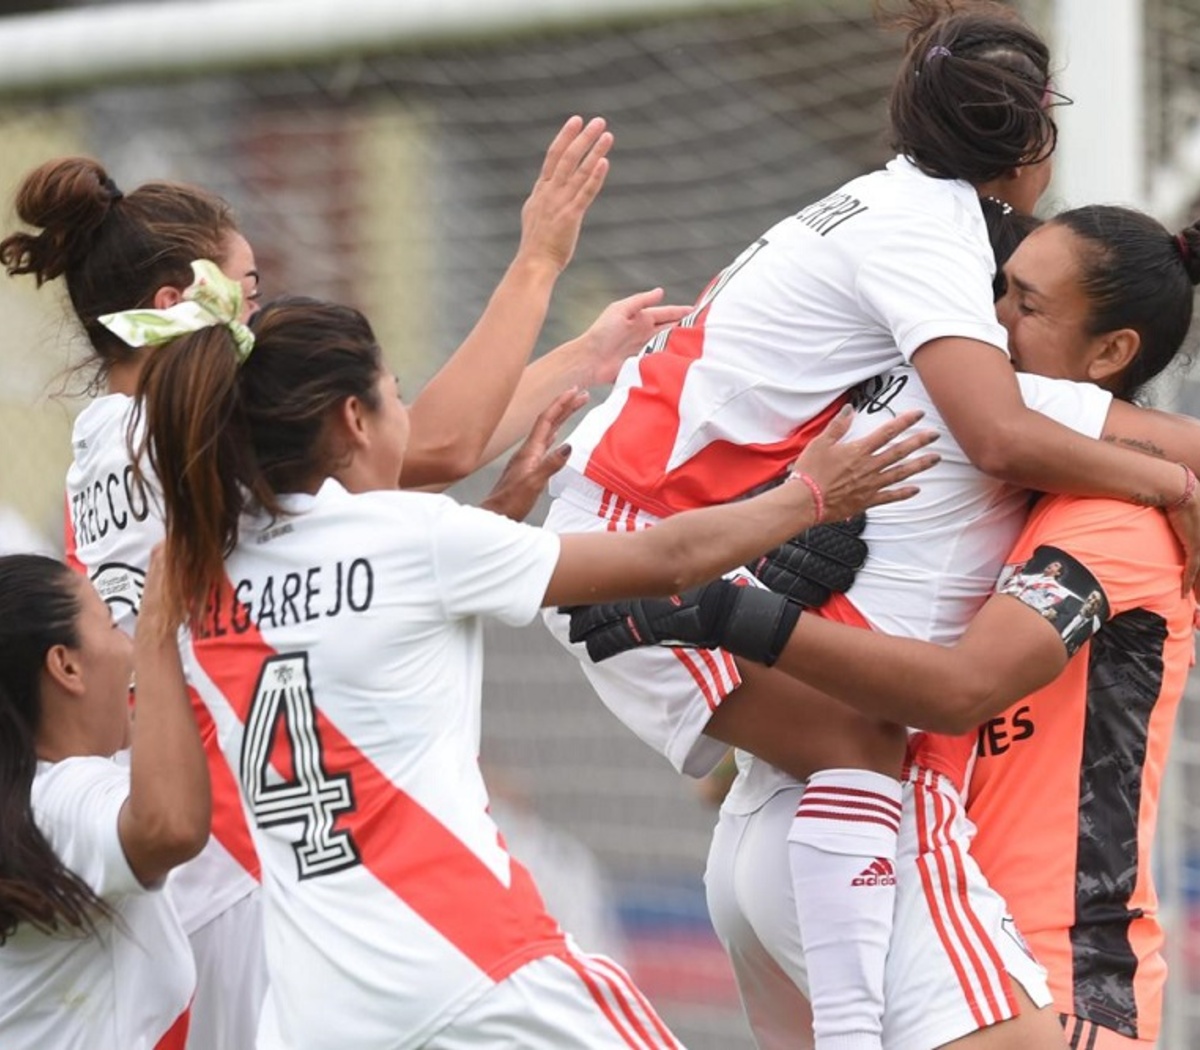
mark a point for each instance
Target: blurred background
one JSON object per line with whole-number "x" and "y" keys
{"x": 378, "y": 153}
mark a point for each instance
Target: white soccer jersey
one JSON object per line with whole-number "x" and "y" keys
{"x": 934, "y": 559}
{"x": 112, "y": 525}
{"x": 342, "y": 663}
{"x": 112, "y": 522}
{"x": 129, "y": 984}
{"x": 841, "y": 291}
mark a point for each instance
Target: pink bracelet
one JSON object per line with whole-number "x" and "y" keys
{"x": 818, "y": 496}
{"x": 1189, "y": 489}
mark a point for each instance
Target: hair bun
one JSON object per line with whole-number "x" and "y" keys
{"x": 1188, "y": 243}
{"x": 66, "y": 199}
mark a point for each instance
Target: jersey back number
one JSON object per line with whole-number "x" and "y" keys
{"x": 306, "y": 795}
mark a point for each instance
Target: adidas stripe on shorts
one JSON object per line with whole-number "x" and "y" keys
{"x": 955, "y": 949}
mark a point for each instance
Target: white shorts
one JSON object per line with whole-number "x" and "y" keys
{"x": 554, "y": 1003}
{"x": 666, "y": 696}
{"x": 751, "y": 901}
{"x": 231, "y": 978}
{"x": 953, "y": 949}
{"x": 954, "y": 945}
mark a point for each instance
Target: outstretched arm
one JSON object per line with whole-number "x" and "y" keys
{"x": 700, "y": 544}
{"x": 456, "y": 414}
{"x": 976, "y": 391}
{"x": 1008, "y": 652}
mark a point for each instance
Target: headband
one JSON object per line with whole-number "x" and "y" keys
{"x": 211, "y": 299}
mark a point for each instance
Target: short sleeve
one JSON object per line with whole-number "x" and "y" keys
{"x": 487, "y": 565}
{"x": 76, "y": 804}
{"x": 936, "y": 286}
{"x": 1083, "y": 407}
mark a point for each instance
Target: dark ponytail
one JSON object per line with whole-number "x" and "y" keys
{"x": 223, "y": 438}
{"x": 1136, "y": 275}
{"x": 970, "y": 99}
{"x": 40, "y": 610}
{"x": 115, "y": 250}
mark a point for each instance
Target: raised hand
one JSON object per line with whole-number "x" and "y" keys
{"x": 574, "y": 170}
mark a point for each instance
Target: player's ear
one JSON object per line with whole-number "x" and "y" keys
{"x": 350, "y": 422}
{"x": 166, "y": 297}
{"x": 63, "y": 669}
{"x": 1112, "y": 353}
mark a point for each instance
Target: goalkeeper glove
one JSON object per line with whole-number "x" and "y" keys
{"x": 820, "y": 561}
{"x": 747, "y": 621}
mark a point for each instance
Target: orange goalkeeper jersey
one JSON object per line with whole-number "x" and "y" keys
{"x": 1065, "y": 786}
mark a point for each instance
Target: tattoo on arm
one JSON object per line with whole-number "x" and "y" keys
{"x": 1148, "y": 447}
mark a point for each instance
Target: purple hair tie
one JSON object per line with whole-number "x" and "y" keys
{"x": 1185, "y": 249}
{"x": 938, "y": 51}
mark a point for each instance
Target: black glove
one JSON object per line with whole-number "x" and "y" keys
{"x": 819, "y": 562}
{"x": 747, "y": 621}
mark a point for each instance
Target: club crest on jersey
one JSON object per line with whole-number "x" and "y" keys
{"x": 1010, "y": 927}
{"x": 880, "y": 872}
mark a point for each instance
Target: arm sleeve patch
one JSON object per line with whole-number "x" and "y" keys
{"x": 1063, "y": 591}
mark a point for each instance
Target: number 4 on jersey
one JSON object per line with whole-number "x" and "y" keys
{"x": 311, "y": 797}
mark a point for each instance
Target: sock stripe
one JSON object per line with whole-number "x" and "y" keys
{"x": 848, "y": 794}
{"x": 820, "y": 809}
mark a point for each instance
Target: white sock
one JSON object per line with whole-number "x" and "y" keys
{"x": 842, "y": 852}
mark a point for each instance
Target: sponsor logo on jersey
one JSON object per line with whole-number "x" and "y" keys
{"x": 120, "y": 584}
{"x": 880, "y": 872}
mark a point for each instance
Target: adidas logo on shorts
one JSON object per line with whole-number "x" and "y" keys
{"x": 879, "y": 872}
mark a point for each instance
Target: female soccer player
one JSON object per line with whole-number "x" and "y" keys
{"x": 1065, "y": 783}
{"x": 91, "y": 952}
{"x": 118, "y": 251}
{"x": 336, "y": 643}
{"x": 893, "y": 268}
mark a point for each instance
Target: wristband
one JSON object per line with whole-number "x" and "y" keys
{"x": 1189, "y": 489}
{"x": 819, "y": 497}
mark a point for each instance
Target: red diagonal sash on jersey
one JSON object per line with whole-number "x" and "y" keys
{"x": 498, "y": 927}
{"x": 632, "y": 456}
{"x": 70, "y": 543}
{"x": 175, "y": 1037}
{"x": 228, "y": 818}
